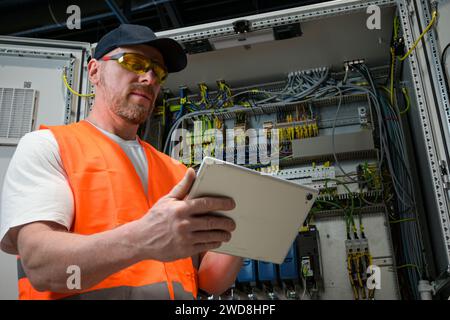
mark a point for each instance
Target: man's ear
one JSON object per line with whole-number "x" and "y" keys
{"x": 94, "y": 71}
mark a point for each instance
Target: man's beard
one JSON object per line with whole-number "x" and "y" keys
{"x": 132, "y": 112}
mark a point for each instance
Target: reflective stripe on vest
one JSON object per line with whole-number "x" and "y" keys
{"x": 107, "y": 193}
{"x": 155, "y": 291}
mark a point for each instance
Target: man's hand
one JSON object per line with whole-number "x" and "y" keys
{"x": 175, "y": 228}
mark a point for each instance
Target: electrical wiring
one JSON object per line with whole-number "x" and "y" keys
{"x": 391, "y": 136}
{"x": 361, "y": 225}
{"x": 408, "y": 102}
{"x": 333, "y": 132}
{"x": 347, "y": 70}
{"x": 384, "y": 143}
{"x": 235, "y": 109}
{"x": 444, "y": 54}
{"x": 357, "y": 258}
{"x": 396, "y": 26}
{"x": 304, "y": 289}
{"x": 72, "y": 90}
{"x": 391, "y": 86}
{"x": 392, "y": 90}
{"x": 382, "y": 129}
{"x": 394, "y": 42}
{"x": 176, "y": 124}
{"x": 361, "y": 197}
{"x": 330, "y": 203}
{"x": 411, "y": 238}
{"x": 395, "y": 189}
{"x": 403, "y": 220}
{"x": 415, "y": 267}
{"x": 405, "y": 95}
{"x": 400, "y": 189}
{"x": 433, "y": 20}
{"x": 443, "y": 62}
{"x": 344, "y": 103}
{"x": 333, "y": 146}
{"x": 350, "y": 194}
{"x": 298, "y": 85}
{"x": 305, "y": 84}
{"x": 339, "y": 207}
{"x": 350, "y": 271}
{"x": 310, "y": 217}
{"x": 349, "y": 220}
{"x": 394, "y": 128}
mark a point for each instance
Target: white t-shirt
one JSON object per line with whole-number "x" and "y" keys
{"x": 36, "y": 188}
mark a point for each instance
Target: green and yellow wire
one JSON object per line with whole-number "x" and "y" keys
{"x": 73, "y": 91}
{"x": 433, "y": 20}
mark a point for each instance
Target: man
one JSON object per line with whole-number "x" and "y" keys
{"x": 92, "y": 197}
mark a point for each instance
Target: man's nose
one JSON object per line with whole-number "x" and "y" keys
{"x": 148, "y": 77}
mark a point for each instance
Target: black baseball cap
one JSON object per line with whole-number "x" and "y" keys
{"x": 132, "y": 34}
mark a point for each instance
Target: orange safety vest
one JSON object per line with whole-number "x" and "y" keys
{"x": 108, "y": 193}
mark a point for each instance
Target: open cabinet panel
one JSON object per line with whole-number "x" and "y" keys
{"x": 329, "y": 38}
{"x": 430, "y": 123}
{"x": 39, "y": 65}
{"x": 32, "y": 93}
{"x": 325, "y": 38}
{"x": 322, "y": 38}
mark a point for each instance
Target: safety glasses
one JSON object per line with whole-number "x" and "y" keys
{"x": 139, "y": 64}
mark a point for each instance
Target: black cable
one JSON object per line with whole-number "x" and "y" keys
{"x": 443, "y": 61}
{"x": 444, "y": 53}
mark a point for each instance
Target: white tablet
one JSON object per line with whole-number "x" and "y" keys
{"x": 268, "y": 214}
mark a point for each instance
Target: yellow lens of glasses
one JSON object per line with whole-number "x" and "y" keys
{"x": 140, "y": 65}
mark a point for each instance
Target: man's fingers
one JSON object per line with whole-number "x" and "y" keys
{"x": 182, "y": 188}
{"x": 211, "y": 236}
{"x": 209, "y": 204}
{"x": 203, "y": 247}
{"x": 211, "y": 222}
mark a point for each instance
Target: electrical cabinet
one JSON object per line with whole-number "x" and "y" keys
{"x": 326, "y": 95}
{"x": 32, "y": 92}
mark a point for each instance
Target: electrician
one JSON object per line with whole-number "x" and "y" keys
{"x": 90, "y": 199}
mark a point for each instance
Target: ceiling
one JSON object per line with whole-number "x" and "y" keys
{"x": 47, "y": 18}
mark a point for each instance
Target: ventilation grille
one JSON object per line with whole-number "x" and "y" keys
{"x": 16, "y": 113}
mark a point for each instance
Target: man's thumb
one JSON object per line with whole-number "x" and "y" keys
{"x": 182, "y": 188}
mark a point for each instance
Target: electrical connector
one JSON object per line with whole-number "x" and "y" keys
{"x": 351, "y": 63}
